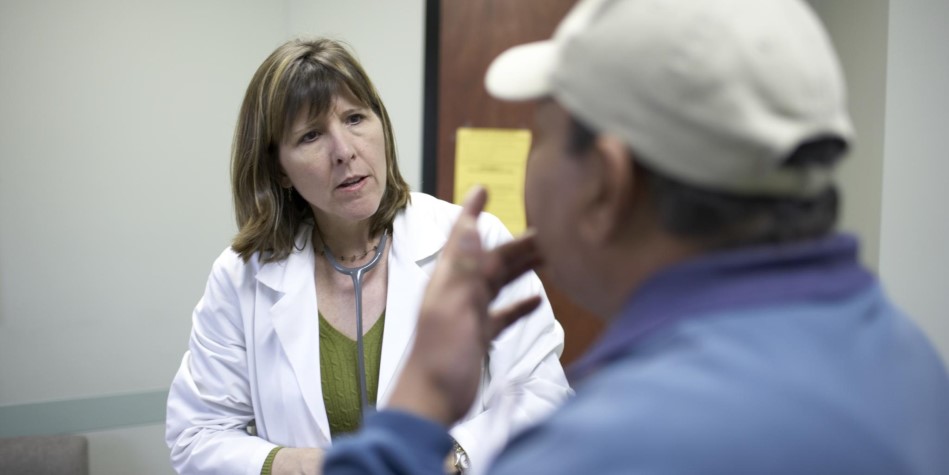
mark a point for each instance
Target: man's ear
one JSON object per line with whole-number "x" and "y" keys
{"x": 611, "y": 189}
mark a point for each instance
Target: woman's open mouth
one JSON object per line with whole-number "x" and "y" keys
{"x": 352, "y": 183}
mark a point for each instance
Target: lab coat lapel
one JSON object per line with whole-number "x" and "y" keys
{"x": 406, "y": 285}
{"x": 415, "y": 243}
{"x": 295, "y": 320}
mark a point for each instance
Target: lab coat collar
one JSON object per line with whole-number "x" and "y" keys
{"x": 293, "y": 272}
{"x": 415, "y": 237}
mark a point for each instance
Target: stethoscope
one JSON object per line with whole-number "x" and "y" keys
{"x": 356, "y": 273}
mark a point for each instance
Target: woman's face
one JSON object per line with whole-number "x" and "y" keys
{"x": 338, "y": 162}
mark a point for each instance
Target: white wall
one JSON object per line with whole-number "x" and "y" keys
{"x": 116, "y": 125}
{"x": 896, "y": 179}
{"x": 116, "y": 120}
{"x": 914, "y": 237}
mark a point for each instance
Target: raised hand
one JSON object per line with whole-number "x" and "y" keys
{"x": 455, "y": 328}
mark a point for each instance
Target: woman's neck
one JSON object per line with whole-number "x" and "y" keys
{"x": 344, "y": 240}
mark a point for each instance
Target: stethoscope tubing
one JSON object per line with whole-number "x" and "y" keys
{"x": 357, "y": 273}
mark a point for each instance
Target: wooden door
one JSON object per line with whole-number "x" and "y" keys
{"x": 462, "y": 38}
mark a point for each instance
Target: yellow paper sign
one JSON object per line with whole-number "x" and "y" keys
{"x": 496, "y": 159}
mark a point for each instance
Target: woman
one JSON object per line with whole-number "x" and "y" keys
{"x": 272, "y": 361}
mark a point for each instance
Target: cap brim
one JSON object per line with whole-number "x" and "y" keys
{"x": 523, "y": 72}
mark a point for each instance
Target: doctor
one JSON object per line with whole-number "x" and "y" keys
{"x": 271, "y": 376}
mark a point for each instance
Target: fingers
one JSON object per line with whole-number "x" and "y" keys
{"x": 496, "y": 268}
{"x": 509, "y": 260}
{"x": 463, "y": 248}
{"x": 474, "y": 201}
{"x": 502, "y": 318}
{"x": 455, "y": 327}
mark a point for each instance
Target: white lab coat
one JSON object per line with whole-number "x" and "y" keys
{"x": 254, "y": 353}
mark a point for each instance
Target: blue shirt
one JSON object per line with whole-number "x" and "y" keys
{"x": 778, "y": 359}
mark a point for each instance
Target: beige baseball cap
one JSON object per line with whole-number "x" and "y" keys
{"x": 714, "y": 93}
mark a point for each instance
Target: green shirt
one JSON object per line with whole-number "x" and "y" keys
{"x": 339, "y": 374}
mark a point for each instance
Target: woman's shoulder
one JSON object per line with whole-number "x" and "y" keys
{"x": 229, "y": 266}
{"x": 426, "y": 203}
{"x": 427, "y": 209}
{"x": 229, "y": 260}
{"x": 426, "y": 212}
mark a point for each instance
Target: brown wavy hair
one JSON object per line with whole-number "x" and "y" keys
{"x": 302, "y": 74}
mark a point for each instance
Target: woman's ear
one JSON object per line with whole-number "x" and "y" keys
{"x": 284, "y": 180}
{"x": 611, "y": 189}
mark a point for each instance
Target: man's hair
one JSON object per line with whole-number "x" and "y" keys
{"x": 300, "y": 75}
{"x": 717, "y": 220}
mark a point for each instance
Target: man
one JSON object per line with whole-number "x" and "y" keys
{"x": 681, "y": 186}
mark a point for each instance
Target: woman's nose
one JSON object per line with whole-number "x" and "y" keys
{"x": 343, "y": 147}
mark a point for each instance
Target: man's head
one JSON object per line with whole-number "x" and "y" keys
{"x": 674, "y": 126}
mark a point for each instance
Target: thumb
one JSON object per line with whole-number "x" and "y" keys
{"x": 474, "y": 201}
{"x": 464, "y": 240}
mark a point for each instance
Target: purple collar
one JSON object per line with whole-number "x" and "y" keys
{"x": 735, "y": 279}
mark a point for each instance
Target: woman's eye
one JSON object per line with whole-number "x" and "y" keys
{"x": 310, "y": 136}
{"x": 355, "y": 119}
